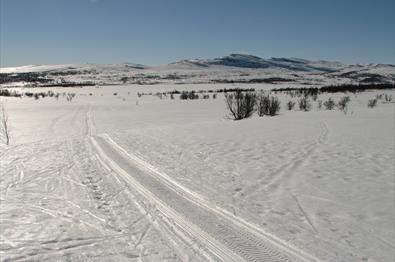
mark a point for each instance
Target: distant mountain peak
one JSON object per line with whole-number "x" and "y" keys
{"x": 252, "y": 61}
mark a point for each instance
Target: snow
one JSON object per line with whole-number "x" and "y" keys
{"x": 65, "y": 67}
{"x": 234, "y": 67}
{"x": 116, "y": 177}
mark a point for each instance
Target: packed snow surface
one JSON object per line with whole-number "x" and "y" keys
{"x": 111, "y": 176}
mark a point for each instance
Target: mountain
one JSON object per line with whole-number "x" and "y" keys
{"x": 255, "y": 62}
{"x": 234, "y": 68}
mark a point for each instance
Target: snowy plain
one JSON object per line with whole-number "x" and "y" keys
{"x": 120, "y": 177}
{"x": 322, "y": 182}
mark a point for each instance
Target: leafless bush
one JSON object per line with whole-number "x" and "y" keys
{"x": 342, "y": 104}
{"x": 372, "y": 103}
{"x": 388, "y": 98}
{"x": 215, "y": 96}
{"x": 240, "y": 104}
{"x": 189, "y": 95}
{"x": 70, "y": 96}
{"x": 267, "y": 105}
{"x": 290, "y": 105}
{"x": 319, "y": 104}
{"x": 160, "y": 95}
{"x": 192, "y": 95}
{"x": 4, "y": 127}
{"x": 304, "y": 104}
{"x": 329, "y": 104}
{"x": 6, "y": 92}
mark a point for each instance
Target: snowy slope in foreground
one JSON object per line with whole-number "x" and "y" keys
{"x": 105, "y": 178}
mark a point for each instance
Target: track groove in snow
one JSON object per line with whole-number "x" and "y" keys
{"x": 222, "y": 235}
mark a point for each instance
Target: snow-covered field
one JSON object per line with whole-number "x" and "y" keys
{"x": 117, "y": 177}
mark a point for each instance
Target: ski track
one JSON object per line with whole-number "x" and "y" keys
{"x": 225, "y": 236}
{"x": 70, "y": 197}
{"x": 194, "y": 227}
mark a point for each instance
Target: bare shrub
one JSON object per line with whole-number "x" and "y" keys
{"x": 342, "y": 104}
{"x": 4, "y": 127}
{"x": 184, "y": 95}
{"x": 192, "y": 95}
{"x": 290, "y": 105}
{"x": 189, "y": 95}
{"x": 372, "y": 103}
{"x": 304, "y": 104}
{"x": 240, "y": 104}
{"x": 215, "y": 96}
{"x": 267, "y": 105}
{"x": 206, "y": 96}
{"x": 329, "y": 104}
{"x": 388, "y": 98}
{"x": 319, "y": 104}
{"x": 70, "y": 96}
{"x": 160, "y": 95}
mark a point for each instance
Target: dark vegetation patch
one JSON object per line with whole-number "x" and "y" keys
{"x": 336, "y": 88}
{"x": 270, "y": 80}
{"x": 6, "y": 78}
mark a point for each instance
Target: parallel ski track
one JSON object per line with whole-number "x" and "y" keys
{"x": 219, "y": 234}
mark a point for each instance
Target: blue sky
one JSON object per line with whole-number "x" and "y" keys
{"x": 162, "y": 31}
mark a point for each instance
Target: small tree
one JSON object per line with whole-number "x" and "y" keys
{"x": 70, "y": 96}
{"x": 304, "y": 104}
{"x": 241, "y": 105}
{"x": 184, "y": 95}
{"x": 342, "y": 104}
{"x": 372, "y": 103}
{"x": 290, "y": 105}
{"x": 192, "y": 95}
{"x": 388, "y": 98}
{"x": 319, "y": 104}
{"x": 329, "y": 104}
{"x": 4, "y": 127}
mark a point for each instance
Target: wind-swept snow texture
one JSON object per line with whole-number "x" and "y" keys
{"x": 120, "y": 178}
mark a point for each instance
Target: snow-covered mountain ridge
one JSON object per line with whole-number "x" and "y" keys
{"x": 234, "y": 68}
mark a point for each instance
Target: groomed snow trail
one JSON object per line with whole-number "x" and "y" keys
{"x": 216, "y": 233}
{"x": 58, "y": 203}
